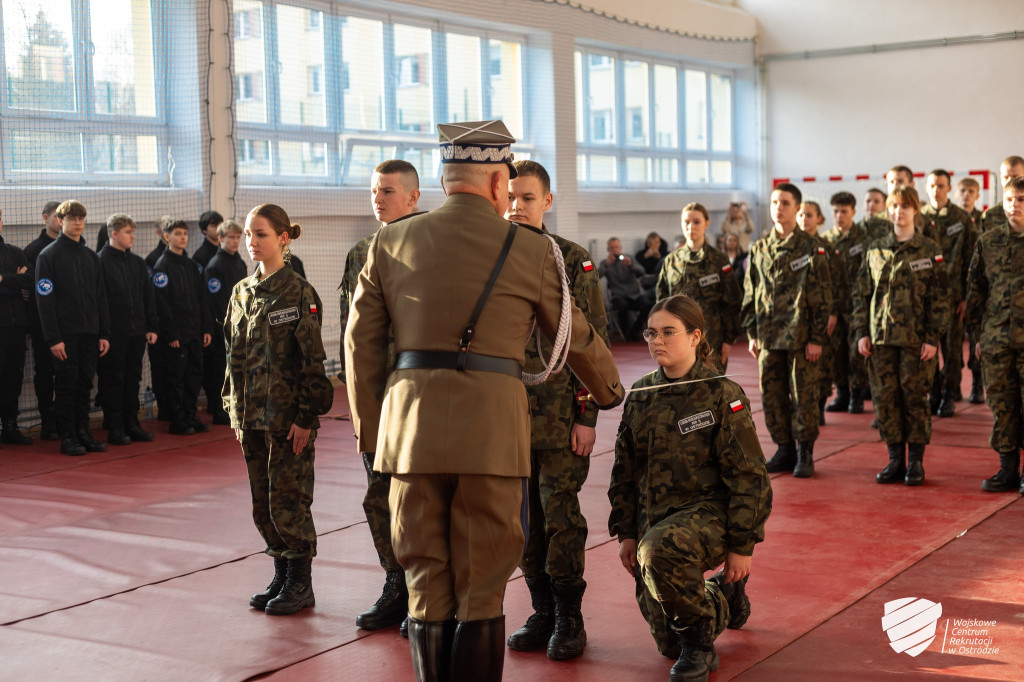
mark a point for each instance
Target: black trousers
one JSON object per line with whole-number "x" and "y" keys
{"x": 73, "y": 379}
{"x": 42, "y": 378}
{"x": 12, "y": 370}
{"x": 214, "y": 365}
{"x": 157, "y": 372}
{"x": 120, "y": 373}
{"x": 183, "y": 372}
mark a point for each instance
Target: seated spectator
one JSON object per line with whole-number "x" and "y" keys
{"x": 623, "y": 276}
{"x": 650, "y": 256}
{"x": 737, "y": 257}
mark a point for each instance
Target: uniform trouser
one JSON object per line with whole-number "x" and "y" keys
{"x": 1004, "y": 392}
{"x": 672, "y": 557}
{"x": 951, "y": 346}
{"x": 12, "y": 370}
{"x": 157, "y": 373}
{"x": 378, "y": 513}
{"x": 557, "y": 535}
{"x": 120, "y": 373}
{"x": 825, "y": 364}
{"x": 973, "y": 361}
{"x": 183, "y": 368}
{"x": 459, "y": 538}
{"x": 73, "y": 382}
{"x": 282, "y": 492}
{"x": 214, "y": 365}
{"x": 849, "y": 370}
{"x": 899, "y": 387}
{"x": 789, "y": 393}
{"x": 42, "y": 378}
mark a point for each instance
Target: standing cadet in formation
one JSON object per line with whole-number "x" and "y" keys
{"x": 394, "y": 193}
{"x": 133, "y": 324}
{"x": 1011, "y": 167}
{"x": 847, "y": 240}
{"x": 786, "y": 304}
{"x": 209, "y": 221}
{"x": 451, "y": 422}
{"x": 688, "y": 491}
{"x": 954, "y": 236}
{"x": 875, "y": 221}
{"x": 968, "y": 191}
{"x": 213, "y": 354}
{"x": 703, "y": 273}
{"x": 274, "y": 391}
{"x": 562, "y": 437}
{"x": 157, "y": 371}
{"x": 995, "y": 309}
{"x": 224, "y": 270}
{"x": 900, "y": 313}
{"x": 15, "y": 282}
{"x": 73, "y": 312}
{"x": 42, "y": 358}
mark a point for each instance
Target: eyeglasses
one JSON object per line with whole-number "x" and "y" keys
{"x": 652, "y": 335}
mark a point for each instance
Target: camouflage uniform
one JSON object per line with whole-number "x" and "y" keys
{"x": 850, "y": 371}
{"x": 706, "y": 277}
{"x": 840, "y": 297}
{"x": 876, "y": 226}
{"x": 902, "y": 302}
{"x": 557, "y": 534}
{"x": 992, "y": 217}
{"x": 276, "y": 378}
{"x": 786, "y": 304}
{"x": 689, "y": 485}
{"x": 973, "y": 362}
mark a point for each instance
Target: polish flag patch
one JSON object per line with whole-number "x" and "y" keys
{"x": 313, "y": 309}
{"x": 736, "y": 405}
{"x": 821, "y": 250}
{"x": 587, "y": 266}
{"x": 938, "y": 259}
{"x": 727, "y": 268}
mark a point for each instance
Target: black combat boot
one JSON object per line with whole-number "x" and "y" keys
{"x": 935, "y": 398}
{"x": 115, "y": 431}
{"x": 947, "y": 407}
{"x": 392, "y": 606}
{"x": 915, "y": 464}
{"x": 569, "y": 637}
{"x": 431, "y": 646}
{"x": 10, "y": 434}
{"x": 821, "y": 410}
{"x": 840, "y": 402}
{"x": 896, "y": 469}
{"x": 134, "y": 430}
{"x": 260, "y": 599}
{"x": 697, "y": 658}
{"x": 977, "y": 396}
{"x": 297, "y": 592}
{"x": 478, "y": 650}
{"x": 70, "y": 446}
{"x": 541, "y": 624}
{"x": 48, "y": 428}
{"x": 856, "y": 405}
{"x": 804, "y": 459}
{"x": 197, "y": 426}
{"x": 735, "y": 594}
{"x": 88, "y": 442}
{"x": 403, "y": 629}
{"x": 784, "y": 458}
{"x": 1008, "y": 476}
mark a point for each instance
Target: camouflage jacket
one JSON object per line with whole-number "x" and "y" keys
{"x": 875, "y": 227}
{"x": 275, "y": 373}
{"x": 788, "y": 294}
{"x": 995, "y": 294}
{"x": 954, "y": 234}
{"x": 992, "y": 217}
{"x": 706, "y": 277}
{"x": 689, "y": 445}
{"x": 848, "y": 247}
{"x": 902, "y": 296}
{"x": 354, "y": 263}
{"x": 553, "y": 405}
{"x": 837, "y": 273}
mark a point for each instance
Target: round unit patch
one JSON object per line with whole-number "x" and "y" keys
{"x": 44, "y": 287}
{"x": 160, "y": 280}
{"x": 213, "y": 284}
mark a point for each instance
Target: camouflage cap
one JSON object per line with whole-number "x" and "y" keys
{"x": 476, "y": 142}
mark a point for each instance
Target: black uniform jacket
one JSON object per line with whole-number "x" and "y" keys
{"x": 12, "y": 302}
{"x": 181, "y": 300}
{"x": 70, "y": 293}
{"x": 130, "y": 294}
{"x": 204, "y": 253}
{"x": 32, "y": 252}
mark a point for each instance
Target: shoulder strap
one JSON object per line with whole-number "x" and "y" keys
{"x": 470, "y": 329}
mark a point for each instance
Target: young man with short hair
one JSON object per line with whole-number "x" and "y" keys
{"x": 224, "y": 270}
{"x": 42, "y": 359}
{"x": 1011, "y": 167}
{"x": 15, "y": 282}
{"x": 209, "y": 221}
{"x": 875, "y": 222}
{"x": 75, "y": 320}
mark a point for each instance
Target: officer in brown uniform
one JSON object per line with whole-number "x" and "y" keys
{"x": 462, "y": 288}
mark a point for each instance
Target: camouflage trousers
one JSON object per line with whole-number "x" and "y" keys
{"x": 789, "y": 385}
{"x": 282, "y": 492}
{"x": 973, "y": 361}
{"x": 378, "y": 513}
{"x": 557, "y": 534}
{"x": 951, "y": 346}
{"x": 849, "y": 370}
{"x": 672, "y": 557}
{"x": 899, "y": 388}
{"x": 1004, "y": 392}
{"x": 825, "y": 364}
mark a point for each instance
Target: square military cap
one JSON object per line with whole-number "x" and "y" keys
{"x": 476, "y": 142}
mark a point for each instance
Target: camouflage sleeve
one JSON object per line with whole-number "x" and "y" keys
{"x": 977, "y": 291}
{"x": 819, "y": 297}
{"x": 937, "y": 306}
{"x": 316, "y": 394}
{"x": 743, "y": 472}
{"x": 586, "y": 291}
{"x": 235, "y": 359}
{"x": 748, "y": 311}
{"x": 663, "y": 287}
{"x": 862, "y": 290}
{"x": 967, "y": 252}
{"x": 732, "y": 302}
{"x": 840, "y": 295}
{"x": 622, "y": 489}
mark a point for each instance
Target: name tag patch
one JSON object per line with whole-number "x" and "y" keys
{"x": 281, "y": 316}
{"x": 921, "y": 264}
{"x": 697, "y": 421}
{"x": 799, "y": 263}
{"x": 709, "y": 280}
{"x": 953, "y": 229}
{"x": 855, "y": 250}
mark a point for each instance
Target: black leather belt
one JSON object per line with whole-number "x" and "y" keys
{"x": 439, "y": 359}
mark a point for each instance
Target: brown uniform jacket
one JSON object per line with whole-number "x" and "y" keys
{"x": 424, "y": 276}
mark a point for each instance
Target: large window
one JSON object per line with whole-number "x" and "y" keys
{"x": 326, "y": 94}
{"x": 80, "y": 101}
{"x": 651, "y": 122}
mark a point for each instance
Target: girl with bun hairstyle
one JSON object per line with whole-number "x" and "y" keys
{"x": 275, "y": 388}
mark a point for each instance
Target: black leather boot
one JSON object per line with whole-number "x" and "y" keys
{"x": 392, "y": 606}
{"x": 896, "y": 469}
{"x": 260, "y": 599}
{"x": 569, "y": 637}
{"x": 947, "y": 406}
{"x": 10, "y": 434}
{"x": 804, "y": 459}
{"x": 134, "y": 430}
{"x": 197, "y": 426}
{"x": 856, "y": 405}
{"x": 48, "y": 428}
{"x": 735, "y": 594}
{"x": 539, "y": 626}
{"x": 784, "y": 459}
{"x": 403, "y": 629}
{"x": 840, "y": 402}
{"x": 431, "y": 646}
{"x": 297, "y": 592}
{"x": 977, "y": 396}
{"x": 915, "y": 464}
{"x": 478, "y": 651}
{"x": 697, "y": 658}
{"x": 88, "y": 442}
{"x": 821, "y": 410}
{"x": 1008, "y": 476}
{"x": 70, "y": 446}
{"x": 115, "y": 431}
